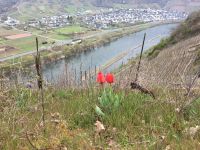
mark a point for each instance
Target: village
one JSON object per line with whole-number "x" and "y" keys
{"x": 102, "y": 20}
{"x": 132, "y": 16}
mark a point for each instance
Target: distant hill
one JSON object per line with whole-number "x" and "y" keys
{"x": 183, "y": 5}
{"x": 5, "y": 5}
{"x": 23, "y": 9}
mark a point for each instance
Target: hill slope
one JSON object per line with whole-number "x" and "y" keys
{"x": 175, "y": 61}
{"x": 37, "y": 7}
{"x": 6, "y": 5}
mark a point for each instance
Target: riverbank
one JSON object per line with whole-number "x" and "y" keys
{"x": 67, "y": 51}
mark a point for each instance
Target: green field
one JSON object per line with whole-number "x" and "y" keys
{"x": 25, "y": 44}
{"x": 28, "y": 43}
{"x": 71, "y": 29}
{"x": 58, "y": 36}
{"x": 22, "y": 45}
{"x": 65, "y": 33}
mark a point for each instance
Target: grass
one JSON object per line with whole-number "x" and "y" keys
{"x": 71, "y": 29}
{"x": 139, "y": 122}
{"x": 71, "y": 9}
{"x": 160, "y": 46}
{"x": 24, "y": 44}
{"x": 57, "y": 36}
{"x": 2, "y": 41}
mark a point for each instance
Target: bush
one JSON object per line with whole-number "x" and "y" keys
{"x": 156, "y": 49}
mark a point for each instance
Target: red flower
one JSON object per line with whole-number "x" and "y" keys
{"x": 110, "y": 78}
{"x": 101, "y": 78}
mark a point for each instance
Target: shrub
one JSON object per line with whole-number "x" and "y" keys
{"x": 156, "y": 49}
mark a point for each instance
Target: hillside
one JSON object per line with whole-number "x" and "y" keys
{"x": 6, "y": 5}
{"x": 24, "y": 9}
{"x": 175, "y": 61}
{"x": 187, "y": 29}
{"x": 103, "y": 3}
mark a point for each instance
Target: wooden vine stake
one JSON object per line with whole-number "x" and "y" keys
{"x": 135, "y": 85}
{"x": 40, "y": 81}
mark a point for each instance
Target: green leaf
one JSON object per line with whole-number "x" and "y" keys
{"x": 99, "y": 111}
{"x": 103, "y": 102}
{"x": 116, "y": 103}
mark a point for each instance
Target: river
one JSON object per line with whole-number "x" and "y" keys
{"x": 100, "y": 56}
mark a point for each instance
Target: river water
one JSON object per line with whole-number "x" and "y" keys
{"x": 102, "y": 55}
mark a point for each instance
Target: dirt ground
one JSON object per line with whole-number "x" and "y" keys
{"x": 18, "y": 36}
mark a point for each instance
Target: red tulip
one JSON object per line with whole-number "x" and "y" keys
{"x": 110, "y": 78}
{"x": 101, "y": 78}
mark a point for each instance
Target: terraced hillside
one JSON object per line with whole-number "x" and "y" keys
{"x": 174, "y": 63}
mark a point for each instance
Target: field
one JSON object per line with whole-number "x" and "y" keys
{"x": 18, "y": 36}
{"x": 66, "y": 33}
{"x": 21, "y": 45}
{"x": 24, "y": 42}
{"x": 5, "y": 50}
{"x": 7, "y": 31}
{"x": 71, "y": 30}
{"x": 21, "y": 41}
{"x": 56, "y": 36}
